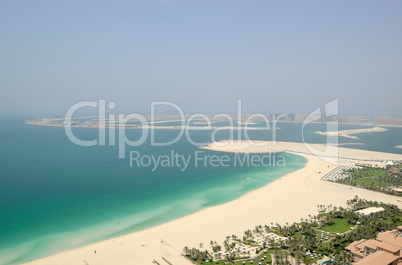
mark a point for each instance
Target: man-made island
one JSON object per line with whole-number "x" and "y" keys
{"x": 286, "y": 200}
{"x": 347, "y": 133}
{"x": 106, "y": 123}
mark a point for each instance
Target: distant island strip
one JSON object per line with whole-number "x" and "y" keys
{"x": 347, "y": 133}
{"x": 106, "y": 123}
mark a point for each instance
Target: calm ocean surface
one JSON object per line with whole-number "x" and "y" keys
{"x": 55, "y": 195}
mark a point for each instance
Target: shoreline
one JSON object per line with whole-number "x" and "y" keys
{"x": 287, "y": 199}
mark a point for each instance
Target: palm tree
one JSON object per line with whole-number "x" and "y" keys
{"x": 299, "y": 256}
{"x": 186, "y": 250}
{"x": 230, "y": 258}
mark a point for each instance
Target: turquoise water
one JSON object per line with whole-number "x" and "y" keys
{"x": 55, "y": 195}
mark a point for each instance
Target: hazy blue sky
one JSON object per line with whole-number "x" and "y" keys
{"x": 277, "y": 56}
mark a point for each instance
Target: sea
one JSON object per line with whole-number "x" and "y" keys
{"x": 56, "y": 195}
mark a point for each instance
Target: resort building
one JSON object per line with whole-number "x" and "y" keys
{"x": 386, "y": 249}
{"x": 370, "y": 210}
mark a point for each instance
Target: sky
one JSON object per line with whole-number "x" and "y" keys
{"x": 204, "y": 56}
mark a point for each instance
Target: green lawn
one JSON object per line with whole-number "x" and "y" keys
{"x": 298, "y": 234}
{"x": 372, "y": 178}
{"x": 366, "y": 181}
{"x": 386, "y": 221}
{"x": 339, "y": 226}
{"x": 268, "y": 254}
{"x": 389, "y": 221}
{"x": 372, "y": 172}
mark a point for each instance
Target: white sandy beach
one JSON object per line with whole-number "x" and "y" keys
{"x": 288, "y": 199}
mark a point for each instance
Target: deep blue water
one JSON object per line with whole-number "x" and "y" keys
{"x": 55, "y": 195}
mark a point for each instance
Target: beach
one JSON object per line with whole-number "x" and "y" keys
{"x": 294, "y": 196}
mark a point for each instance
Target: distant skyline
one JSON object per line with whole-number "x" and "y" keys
{"x": 276, "y": 56}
